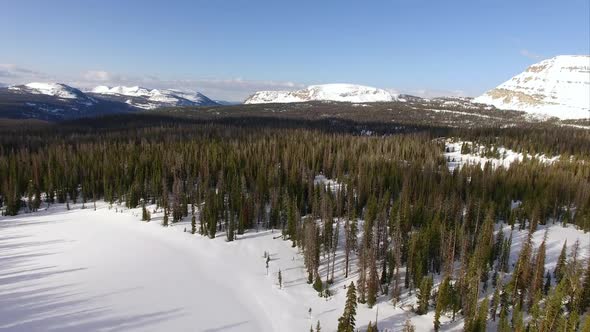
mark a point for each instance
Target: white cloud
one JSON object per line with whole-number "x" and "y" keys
{"x": 11, "y": 73}
{"x": 97, "y": 75}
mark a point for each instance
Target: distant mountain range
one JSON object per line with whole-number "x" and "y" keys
{"x": 557, "y": 87}
{"x": 56, "y": 101}
{"x": 150, "y": 99}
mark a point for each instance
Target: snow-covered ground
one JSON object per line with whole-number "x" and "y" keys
{"x": 456, "y": 158}
{"x": 105, "y": 270}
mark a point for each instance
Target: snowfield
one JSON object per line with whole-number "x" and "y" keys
{"x": 105, "y": 270}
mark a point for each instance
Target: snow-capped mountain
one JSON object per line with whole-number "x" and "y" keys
{"x": 152, "y": 98}
{"x": 58, "y": 90}
{"x": 558, "y": 87}
{"x": 53, "y": 101}
{"x": 326, "y": 92}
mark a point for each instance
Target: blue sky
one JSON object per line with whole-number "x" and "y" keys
{"x": 228, "y": 49}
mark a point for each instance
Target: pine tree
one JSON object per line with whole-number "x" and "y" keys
{"x": 347, "y": 322}
{"x": 560, "y": 266}
{"x": 585, "y": 292}
{"x": 372, "y": 282}
{"x": 536, "y": 285}
{"x": 504, "y": 324}
{"x": 586, "y": 324}
{"x": 517, "y": 319}
{"x": 444, "y": 300}
{"x": 423, "y": 295}
{"x": 193, "y": 224}
{"x": 495, "y": 302}
{"x": 318, "y": 285}
{"x": 547, "y": 285}
{"x": 553, "y": 308}
{"x": 280, "y": 279}
{"x": 318, "y": 327}
{"x": 371, "y": 328}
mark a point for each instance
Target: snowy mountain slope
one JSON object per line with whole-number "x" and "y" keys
{"x": 558, "y": 87}
{"x": 53, "y": 101}
{"x": 58, "y": 90}
{"x": 326, "y": 92}
{"x": 152, "y": 98}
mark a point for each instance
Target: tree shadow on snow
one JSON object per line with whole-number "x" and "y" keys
{"x": 33, "y": 299}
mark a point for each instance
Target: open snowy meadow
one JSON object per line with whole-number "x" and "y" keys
{"x": 105, "y": 270}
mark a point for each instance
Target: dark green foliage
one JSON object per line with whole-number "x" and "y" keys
{"x": 560, "y": 266}
{"x": 318, "y": 285}
{"x": 347, "y": 322}
{"x": 423, "y": 295}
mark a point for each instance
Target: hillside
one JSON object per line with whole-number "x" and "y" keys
{"x": 558, "y": 87}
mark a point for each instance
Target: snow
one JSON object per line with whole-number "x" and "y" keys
{"x": 327, "y": 92}
{"x": 105, "y": 270}
{"x": 558, "y": 87}
{"x": 155, "y": 97}
{"x": 51, "y": 89}
{"x": 86, "y": 270}
{"x": 456, "y": 159}
{"x": 556, "y": 236}
{"x": 321, "y": 179}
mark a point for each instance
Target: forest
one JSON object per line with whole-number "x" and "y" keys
{"x": 404, "y": 215}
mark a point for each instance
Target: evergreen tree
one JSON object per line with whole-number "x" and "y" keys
{"x": 347, "y": 322}
{"x": 585, "y": 292}
{"x": 318, "y": 285}
{"x": 560, "y": 266}
{"x": 193, "y": 224}
{"x": 423, "y": 295}
{"x": 547, "y": 285}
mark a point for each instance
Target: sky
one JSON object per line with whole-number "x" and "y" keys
{"x": 229, "y": 49}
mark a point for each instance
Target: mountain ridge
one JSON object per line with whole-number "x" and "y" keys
{"x": 555, "y": 87}
{"x": 339, "y": 92}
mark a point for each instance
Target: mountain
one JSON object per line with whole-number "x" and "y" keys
{"x": 151, "y": 98}
{"x": 558, "y": 87}
{"x": 53, "y": 101}
{"x": 326, "y": 92}
{"x": 227, "y": 102}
